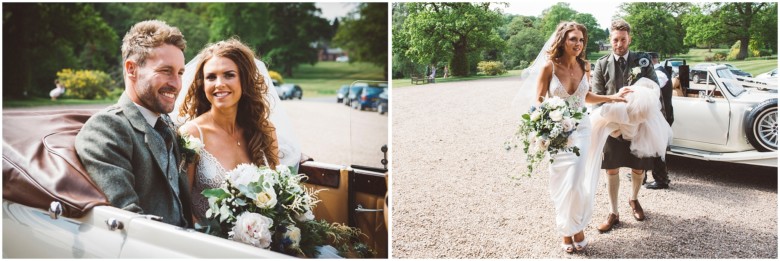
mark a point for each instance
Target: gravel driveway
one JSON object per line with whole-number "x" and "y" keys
{"x": 453, "y": 195}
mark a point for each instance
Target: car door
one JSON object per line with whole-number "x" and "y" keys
{"x": 703, "y": 119}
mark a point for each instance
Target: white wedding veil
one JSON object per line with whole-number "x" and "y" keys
{"x": 529, "y": 80}
{"x": 289, "y": 148}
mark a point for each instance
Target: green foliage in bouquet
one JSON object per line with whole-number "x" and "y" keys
{"x": 546, "y": 130}
{"x": 271, "y": 209}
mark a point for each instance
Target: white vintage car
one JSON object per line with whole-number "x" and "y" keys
{"x": 51, "y": 208}
{"x": 721, "y": 120}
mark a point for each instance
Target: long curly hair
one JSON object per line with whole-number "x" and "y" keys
{"x": 253, "y": 108}
{"x": 556, "y": 50}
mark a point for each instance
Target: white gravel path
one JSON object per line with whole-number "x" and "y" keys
{"x": 453, "y": 196}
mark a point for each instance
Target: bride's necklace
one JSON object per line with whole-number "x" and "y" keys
{"x": 232, "y": 135}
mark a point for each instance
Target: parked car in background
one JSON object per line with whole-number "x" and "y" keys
{"x": 768, "y": 75}
{"x": 290, "y": 91}
{"x": 342, "y": 59}
{"x": 342, "y": 93}
{"x": 724, "y": 121}
{"x": 674, "y": 63}
{"x": 699, "y": 72}
{"x": 368, "y": 98}
{"x": 354, "y": 93}
{"x": 736, "y": 71}
{"x": 382, "y": 105}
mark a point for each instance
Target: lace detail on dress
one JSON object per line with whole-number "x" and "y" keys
{"x": 576, "y": 99}
{"x": 208, "y": 174}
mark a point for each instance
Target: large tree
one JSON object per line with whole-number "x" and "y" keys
{"x": 702, "y": 29}
{"x": 743, "y": 21}
{"x": 281, "y": 33}
{"x": 40, "y": 39}
{"x": 436, "y": 32}
{"x": 364, "y": 34}
{"x": 654, "y": 28}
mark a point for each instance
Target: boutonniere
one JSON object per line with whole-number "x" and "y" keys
{"x": 190, "y": 148}
{"x": 643, "y": 62}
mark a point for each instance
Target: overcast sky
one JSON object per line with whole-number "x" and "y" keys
{"x": 331, "y": 10}
{"x": 601, "y": 10}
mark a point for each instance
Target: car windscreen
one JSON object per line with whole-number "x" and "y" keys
{"x": 373, "y": 90}
{"x": 730, "y": 82}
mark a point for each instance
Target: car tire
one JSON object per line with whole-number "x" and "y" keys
{"x": 761, "y": 126}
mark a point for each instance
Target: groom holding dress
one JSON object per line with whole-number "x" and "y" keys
{"x": 613, "y": 72}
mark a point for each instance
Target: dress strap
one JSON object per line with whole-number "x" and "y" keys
{"x": 200, "y": 133}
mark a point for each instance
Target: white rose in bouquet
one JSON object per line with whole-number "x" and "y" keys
{"x": 243, "y": 174}
{"x": 542, "y": 143}
{"x": 265, "y": 199}
{"x": 253, "y": 229}
{"x": 308, "y": 216}
{"x": 567, "y": 124}
{"x": 556, "y": 102}
{"x": 536, "y": 115}
{"x": 556, "y": 115}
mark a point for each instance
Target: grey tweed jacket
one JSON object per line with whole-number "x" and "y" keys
{"x": 603, "y": 82}
{"x": 128, "y": 160}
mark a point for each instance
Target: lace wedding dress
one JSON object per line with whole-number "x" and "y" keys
{"x": 572, "y": 187}
{"x": 209, "y": 174}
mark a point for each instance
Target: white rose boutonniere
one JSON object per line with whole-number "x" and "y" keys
{"x": 643, "y": 62}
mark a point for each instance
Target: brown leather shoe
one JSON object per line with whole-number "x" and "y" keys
{"x": 612, "y": 220}
{"x": 639, "y": 214}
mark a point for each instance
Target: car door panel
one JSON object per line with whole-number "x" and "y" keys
{"x": 698, "y": 120}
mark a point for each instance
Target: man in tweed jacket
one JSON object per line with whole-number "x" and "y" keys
{"x": 129, "y": 149}
{"x": 614, "y": 71}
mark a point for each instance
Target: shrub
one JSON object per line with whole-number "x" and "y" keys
{"x": 708, "y": 58}
{"x": 720, "y": 56}
{"x": 276, "y": 76}
{"x": 86, "y": 84}
{"x": 491, "y": 67}
{"x": 523, "y": 64}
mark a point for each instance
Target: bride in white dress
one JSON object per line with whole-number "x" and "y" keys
{"x": 229, "y": 113}
{"x": 561, "y": 70}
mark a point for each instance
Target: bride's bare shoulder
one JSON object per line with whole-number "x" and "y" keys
{"x": 191, "y": 127}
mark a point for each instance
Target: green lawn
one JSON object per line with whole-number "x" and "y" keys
{"x": 408, "y": 82}
{"x": 35, "y": 102}
{"x": 325, "y": 78}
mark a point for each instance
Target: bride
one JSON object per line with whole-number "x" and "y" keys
{"x": 561, "y": 70}
{"x": 227, "y": 109}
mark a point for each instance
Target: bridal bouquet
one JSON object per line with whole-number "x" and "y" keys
{"x": 546, "y": 130}
{"x": 271, "y": 209}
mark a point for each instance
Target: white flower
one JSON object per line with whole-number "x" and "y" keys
{"x": 636, "y": 70}
{"x": 244, "y": 174}
{"x": 555, "y": 132}
{"x": 253, "y": 229}
{"x": 194, "y": 144}
{"x": 556, "y": 115}
{"x": 536, "y": 115}
{"x": 294, "y": 235}
{"x": 542, "y": 144}
{"x": 265, "y": 199}
{"x": 555, "y": 102}
{"x": 308, "y": 216}
{"x": 567, "y": 124}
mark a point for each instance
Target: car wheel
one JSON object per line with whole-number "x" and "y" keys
{"x": 696, "y": 78}
{"x": 761, "y": 126}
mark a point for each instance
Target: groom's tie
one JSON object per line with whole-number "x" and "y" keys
{"x": 621, "y": 77}
{"x": 164, "y": 131}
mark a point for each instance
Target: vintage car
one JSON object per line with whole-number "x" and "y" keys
{"x": 52, "y": 209}
{"x": 721, "y": 120}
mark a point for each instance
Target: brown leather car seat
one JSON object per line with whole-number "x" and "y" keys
{"x": 40, "y": 164}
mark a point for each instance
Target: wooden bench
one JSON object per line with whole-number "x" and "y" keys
{"x": 418, "y": 80}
